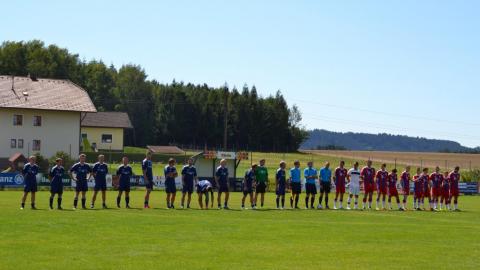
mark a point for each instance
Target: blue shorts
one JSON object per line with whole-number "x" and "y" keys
{"x": 30, "y": 186}
{"x": 223, "y": 186}
{"x": 170, "y": 186}
{"x": 311, "y": 188}
{"x": 100, "y": 185}
{"x": 201, "y": 190}
{"x": 124, "y": 185}
{"x": 56, "y": 187}
{"x": 81, "y": 185}
{"x": 247, "y": 189}
{"x": 280, "y": 190}
{"x": 188, "y": 187}
{"x": 149, "y": 184}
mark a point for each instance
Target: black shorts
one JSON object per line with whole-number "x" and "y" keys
{"x": 296, "y": 187}
{"x": 170, "y": 186}
{"x": 82, "y": 185}
{"x": 310, "y": 188}
{"x": 261, "y": 187}
{"x": 325, "y": 187}
{"x": 30, "y": 186}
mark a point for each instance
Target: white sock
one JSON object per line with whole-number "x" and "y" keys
{"x": 370, "y": 204}
{"x": 383, "y": 204}
{"x": 456, "y": 206}
{"x": 341, "y": 205}
{"x": 349, "y": 200}
{"x": 335, "y": 203}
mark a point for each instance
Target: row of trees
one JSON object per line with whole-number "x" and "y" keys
{"x": 175, "y": 113}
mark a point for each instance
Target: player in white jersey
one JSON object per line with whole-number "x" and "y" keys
{"x": 353, "y": 177}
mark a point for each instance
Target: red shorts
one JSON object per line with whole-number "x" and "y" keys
{"x": 393, "y": 192}
{"x": 436, "y": 192}
{"x": 368, "y": 188}
{"x": 418, "y": 193}
{"x": 340, "y": 188}
{"x": 426, "y": 193}
{"x": 382, "y": 190}
{"x": 446, "y": 193}
{"x": 454, "y": 192}
{"x": 406, "y": 191}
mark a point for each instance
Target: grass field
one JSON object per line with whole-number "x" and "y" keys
{"x": 219, "y": 239}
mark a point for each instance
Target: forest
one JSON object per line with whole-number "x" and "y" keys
{"x": 177, "y": 113}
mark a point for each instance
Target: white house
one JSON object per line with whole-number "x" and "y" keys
{"x": 41, "y": 115}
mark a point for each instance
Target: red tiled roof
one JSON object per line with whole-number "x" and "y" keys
{"x": 43, "y": 94}
{"x": 106, "y": 119}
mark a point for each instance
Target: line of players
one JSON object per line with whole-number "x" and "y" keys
{"x": 439, "y": 189}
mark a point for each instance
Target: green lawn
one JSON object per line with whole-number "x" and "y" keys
{"x": 219, "y": 239}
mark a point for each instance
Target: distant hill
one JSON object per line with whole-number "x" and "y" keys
{"x": 324, "y": 139}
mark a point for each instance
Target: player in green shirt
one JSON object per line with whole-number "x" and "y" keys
{"x": 261, "y": 180}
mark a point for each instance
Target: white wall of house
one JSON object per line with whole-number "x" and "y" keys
{"x": 59, "y": 131}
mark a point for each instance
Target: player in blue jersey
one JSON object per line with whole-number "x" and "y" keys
{"x": 147, "y": 177}
{"x": 221, "y": 179}
{"x": 311, "y": 176}
{"x": 204, "y": 187}
{"x": 325, "y": 185}
{"x": 80, "y": 173}
{"x": 29, "y": 172}
{"x": 189, "y": 180}
{"x": 100, "y": 171}
{"x": 247, "y": 186}
{"x": 170, "y": 188}
{"x": 295, "y": 183}
{"x": 56, "y": 182}
{"x": 280, "y": 185}
{"x": 124, "y": 172}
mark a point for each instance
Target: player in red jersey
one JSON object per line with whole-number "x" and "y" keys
{"x": 367, "y": 176}
{"x": 417, "y": 189}
{"x": 392, "y": 189}
{"x": 426, "y": 189}
{"x": 436, "y": 179}
{"x": 445, "y": 192}
{"x": 339, "y": 178}
{"x": 405, "y": 183}
{"x": 381, "y": 178}
{"x": 454, "y": 192}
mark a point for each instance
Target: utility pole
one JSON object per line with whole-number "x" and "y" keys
{"x": 225, "y": 116}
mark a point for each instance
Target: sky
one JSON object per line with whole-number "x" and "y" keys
{"x": 402, "y": 66}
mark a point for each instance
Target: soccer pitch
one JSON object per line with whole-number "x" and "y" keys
{"x": 158, "y": 238}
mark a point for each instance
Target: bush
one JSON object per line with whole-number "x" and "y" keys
{"x": 42, "y": 162}
{"x": 471, "y": 176}
{"x": 67, "y": 160}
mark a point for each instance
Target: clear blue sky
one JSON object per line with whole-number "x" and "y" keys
{"x": 403, "y": 67}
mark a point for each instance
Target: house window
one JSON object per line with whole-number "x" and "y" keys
{"x": 37, "y": 121}
{"x": 17, "y": 119}
{"x": 20, "y": 143}
{"x": 36, "y": 145}
{"x": 84, "y": 135}
{"x": 106, "y": 138}
{"x": 13, "y": 143}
